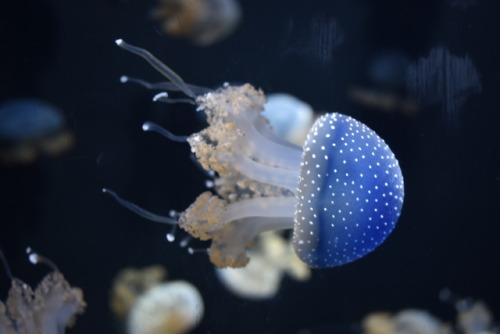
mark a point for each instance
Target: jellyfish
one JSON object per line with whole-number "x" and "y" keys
{"x": 289, "y": 117}
{"x": 341, "y": 193}
{"x": 204, "y": 22}
{"x": 29, "y": 127}
{"x": 49, "y": 309}
{"x": 410, "y": 321}
{"x": 130, "y": 284}
{"x": 152, "y": 306}
{"x": 271, "y": 259}
{"x": 473, "y": 317}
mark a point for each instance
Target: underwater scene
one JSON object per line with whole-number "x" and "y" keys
{"x": 239, "y": 166}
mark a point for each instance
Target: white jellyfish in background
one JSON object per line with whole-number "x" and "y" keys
{"x": 130, "y": 284}
{"x": 149, "y": 305}
{"x": 409, "y": 321}
{"x": 473, "y": 317}
{"x": 50, "y": 309}
{"x": 290, "y": 118}
{"x": 271, "y": 259}
{"x": 168, "y": 308}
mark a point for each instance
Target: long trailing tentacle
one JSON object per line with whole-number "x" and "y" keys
{"x": 140, "y": 211}
{"x": 150, "y": 126}
{"x": 159, "y": 66}
{"x": 169, "y": 86}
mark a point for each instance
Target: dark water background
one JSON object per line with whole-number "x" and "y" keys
{"x": 64, "y": 52}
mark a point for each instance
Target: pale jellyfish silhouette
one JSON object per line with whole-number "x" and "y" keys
{"x": 411, "y": 321}
{"x": 150, "y": 305}
{"x": 130, "y": 284}
{"x": 341, "y": 193}
{"x": 473, "y": 317}
{"x": 204, "y": 22}
{"x": 271, "y": 259}
{"x": 289, "y": 117}
{"x": 170, "y": 308}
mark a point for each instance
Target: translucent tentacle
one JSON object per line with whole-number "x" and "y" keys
{"x": 159, "y": 66}
{"x": 138, "y": 210}
{"x": 150, "y": 126}
{"x": 198, "y": 90}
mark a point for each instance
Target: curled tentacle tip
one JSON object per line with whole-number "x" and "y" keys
{"x": 170, "y": 237}
{"x": 119, "y": 41}
{"x": 159, "y": 96}
{"x": 105, "y": 190}
{"x": 146, "y": 126}
{"x": 124, "y": 79}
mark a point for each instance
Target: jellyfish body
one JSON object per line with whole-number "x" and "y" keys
{"x": 28, "y": 118}
{"x": 51, "y": 308}
{"x": 341, "y": 194}
{"x": 130, "y": 284}
{"x": 289, "y": 117}
{"x": 204, "y": 22}
{"x": 151, "y": 305}
{"x": 270, "y": 259}
{"x": 29, "y": 127}
{"x": 350, "y": 192}
{"x": 168, "y": 308}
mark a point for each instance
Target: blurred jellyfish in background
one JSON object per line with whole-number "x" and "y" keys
{"x": 148, "y": 305}
{"x": 476, "y": 318}
{"x": 473, "y": 317}
{"x": 204, "y": 22}
{"x": 30, "y": 127}
{"x": 404, "y": 322}
{"x": 50, "y": 309}
{"x": 289, "y": 117}
{"x": 130, "y": 284}
{"x": 446, "y": 79}
{"x": 271, "y": 258}
{"x": 387, "y": 72}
